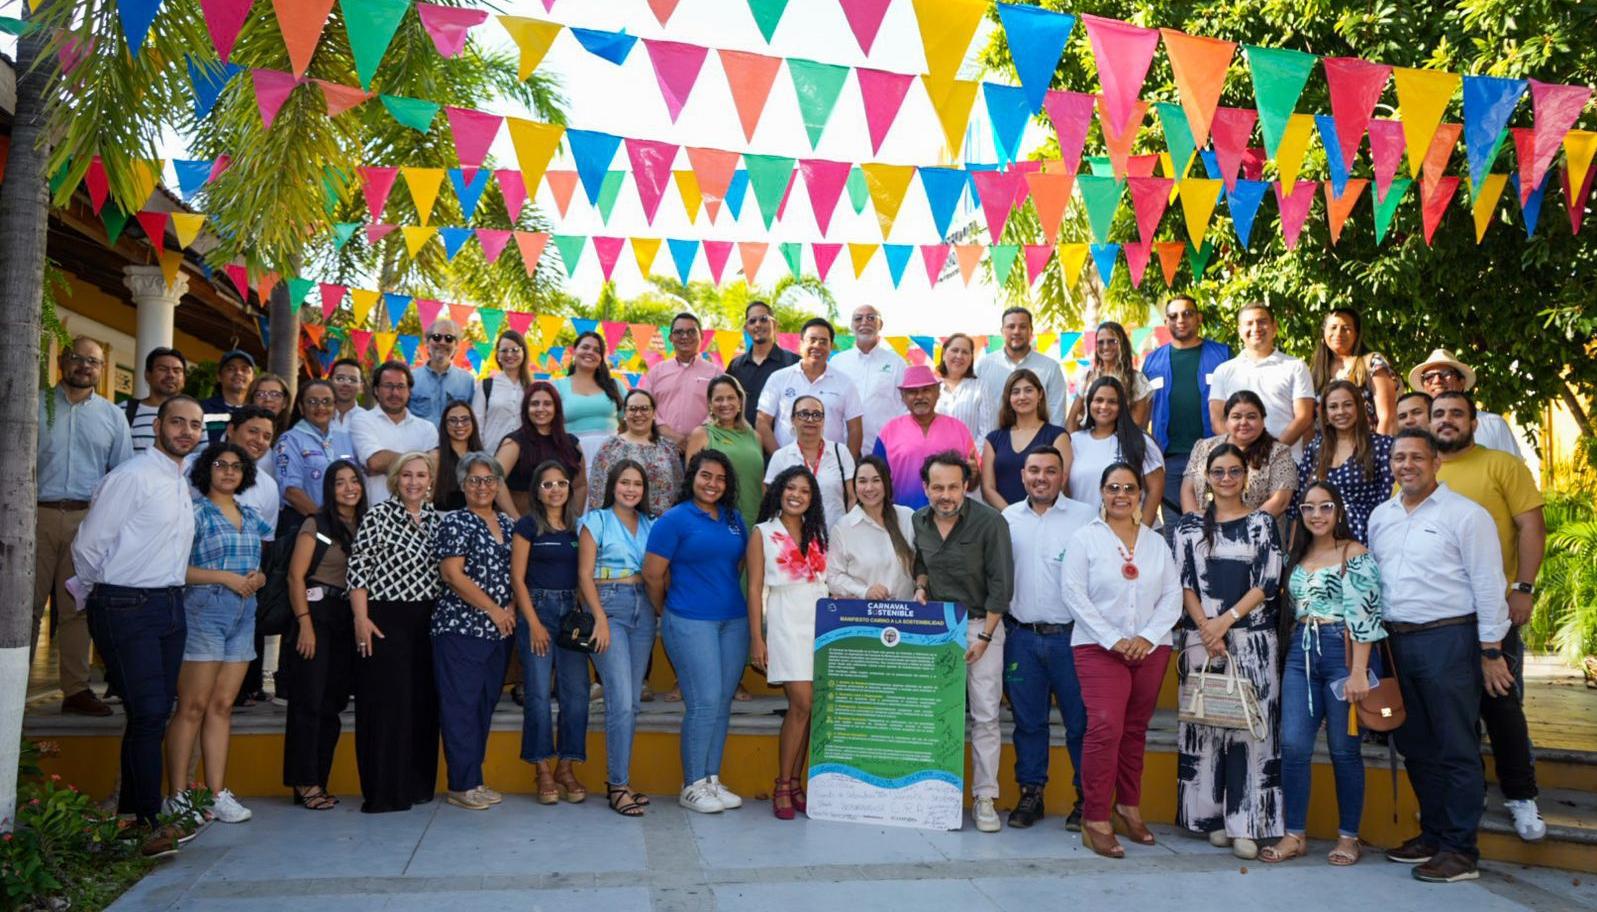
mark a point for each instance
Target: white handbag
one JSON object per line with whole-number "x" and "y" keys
{"x": 1223, "y": 700}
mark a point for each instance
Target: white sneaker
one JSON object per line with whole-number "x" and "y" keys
{"x": 700, "y": 796}
{"x": 1219, "y": 839}
{"x": 986, "y": 815}
{"x": 1244, "y": 848}
{"x": 1527, "y": 819}
{"x": 228, "y": 810}
{"x": 728, "y": 799}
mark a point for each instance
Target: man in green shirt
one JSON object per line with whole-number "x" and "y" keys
{"x": 1178, "y": 373}
{"x": 963, "y": 554}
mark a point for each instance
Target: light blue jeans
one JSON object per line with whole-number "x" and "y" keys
{"x": 709, "y": 657}
{"x": 568, "y": 670}
{"x": 621, "y": 670}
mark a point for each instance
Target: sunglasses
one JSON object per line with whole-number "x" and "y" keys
{"x": 556, "y": 484}
{"x": 319, "y": 402}
{"x": 1325, "y": 508}
{"x": 1219, "y": 472}
{"x": 1119, "y": 487}
{"x": 441, "y": 337}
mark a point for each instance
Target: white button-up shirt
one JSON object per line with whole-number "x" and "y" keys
{"x": 1492, "y": 432}
{"x": 140, "y": 526}
{"x": 373, "y": 432}
{"x": 860, "y": 555}
{"x": 1107, "y": 606}
{"x": 1440, "y": 560}
{"x": 1040, "y": 543}
{"x": 1278, "y": 379}
{"x": 876, "y": 374}
{"x": 993, "y": 372}
{"x": 835, "y": 390}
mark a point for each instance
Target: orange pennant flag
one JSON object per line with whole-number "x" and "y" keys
{"x": 340, "y": 98}
{"x": 1444, "y": 139}
{"x": 1119, "y": 144}
{"x": 531, "y": 244}
{"x": 301, "y": 22}
{"x": 752, "y": 253}
{"x": 1199, "y": 65}
{"x": 643, "y": 336}
{"x": 562, "y": 184}
{"x": 969, "y": 257}
{"x": 1338, "y": 208}
{"x": 1169, "y": 259}
{"x": 749, "y": 76}
{"x": 171, "y": 262}
{"x": 1050, "y": 193}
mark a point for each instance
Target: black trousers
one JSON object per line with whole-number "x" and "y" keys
{"x": 321, "y": 686}
{"x": 396, "y": 710}
{"x": 1504, "y": 719}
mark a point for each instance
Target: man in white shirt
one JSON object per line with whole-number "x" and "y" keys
{"x": 132, "y": 552}
{"x": 876, "y": 371}
{"x": 994, "y": 369}
{"x": 348, "y": 384}
{"x": 1282, "y": 382}
{"x": 1443, "y": 373}
{"x": 1443, "y": 586}
{"x": 388, "y": 431}
{"x": 1039, "y": 664}
{"x": 165, "y": 372}
{"x": 812, "y": 376}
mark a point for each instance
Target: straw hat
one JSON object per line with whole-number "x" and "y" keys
{"x": 1441, "y": 358}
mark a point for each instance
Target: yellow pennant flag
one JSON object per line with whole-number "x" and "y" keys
{"x": 946, "y": 28}
{"x": 187, "y": 225}
{"x": 171, "y": 262}
{"x": 416, "y": 238}
{"x": 692, "y": 198}
{"x": 550, "y": 327}
{"x": 887, "y": 184}
{"x": 361, "y": 301}
{"x": 1046, "y": 341}
{"x": 1485, "y": 205}
{"x": 952, "y": 100}
{"x": 1072, "y": 257}
{"x": 860, "y": 255}
{"x": 645, "y": 249}
{"x": 1579, "y": 147}
{"x": 535, "y": 144}
{"x": 727, "y": 342}
{"x": 1198, "y": 196}
{"x": 145, "y": 175}
{"x": 1294, "y": 144}
{"x": 1422, "y": 99}
{"x": 423, "y": 184}
{"x": 899, "y": 344}
{"x": 385, "y": 344}
{"x": 533, "y": 37}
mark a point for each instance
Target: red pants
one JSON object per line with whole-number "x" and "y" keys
{"x": 1120, "y": 697}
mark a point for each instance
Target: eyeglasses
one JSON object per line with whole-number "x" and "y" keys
{"x": 639, "y": 409}
{"x": 685, "y": 331}
{"x": 556, "y": 484}
{"x": 504, "y": 353}
{"x": 481, "y": 481}
{"x": 758, "y": 319}
{"x": 1118, "y": 487}
{"x": 441, "y": 337}
{"x": 809, "y": 415}
{"x": 1444, "y": 374}
{"x": 392, "y": 387}
{"x": 269, "y": 395}
{"x": 229, "y": 466}
{"x": 1219, "y": 472}
{"x": 459, "y": 420}
{"x": 319, "y": 402}
{"x": 84, "y": 360}
{"x": 1324, "y": 508}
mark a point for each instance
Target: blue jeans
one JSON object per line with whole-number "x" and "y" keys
{"x": 1175, "y": 468}
{"x": 621, "y": 669}
{"x": 140, "y": 633}
{"x": 471, "y": 673}
{"x": 221, "y": 625}
{"x": 1037, "y": 667}
{"x": 1306, "y": 704}
{"x": 709, "y": 657}
{"x": 568, "y": 668}
{"x": 1439, "y": 671}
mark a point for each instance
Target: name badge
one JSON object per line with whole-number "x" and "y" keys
{"x": 1157, "y": 383}
{"x": 1208, "y": 379}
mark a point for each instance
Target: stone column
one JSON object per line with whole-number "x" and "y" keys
{"x": 156, "y": 302}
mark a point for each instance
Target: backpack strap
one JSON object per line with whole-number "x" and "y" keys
{"x": 131, "y": 409}
{"x": 487, "y": 392}
{"x": 324, "y": 540}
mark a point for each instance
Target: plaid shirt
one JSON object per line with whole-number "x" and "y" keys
{"x": 218, "y": 545}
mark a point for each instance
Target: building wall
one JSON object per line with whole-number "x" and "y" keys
{"x": 86, "y": 310}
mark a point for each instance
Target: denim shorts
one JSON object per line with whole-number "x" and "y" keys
{"x": 221, "y": 625}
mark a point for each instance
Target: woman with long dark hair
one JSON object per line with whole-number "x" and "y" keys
{"x": 1231, "y": 563}
{"x": 320, "y": 667}
{"x": 497, "y": 400}
{"x": 1022, "y": 424}
{"x": 1272, "y": 476}
{"x": 1109, "y": 435}
{"x": 872, "y": 550}
{"x": 1346, "y": 453}
{"x": 1112, "y": 357}
{"x": 457, "y": 436}
{"x": 541, "y": 437}
{"x": 1342, "y": 354}
{"x": 640, "y": 441}
{"x": 591, "y": 397}
{"x": 786, "y": 561}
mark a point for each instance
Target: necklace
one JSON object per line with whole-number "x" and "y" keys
{"x": 1128, "y": 568}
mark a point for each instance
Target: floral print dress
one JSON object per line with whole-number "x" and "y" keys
{"x": 794, "y": 581}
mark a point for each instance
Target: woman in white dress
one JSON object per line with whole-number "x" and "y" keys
{"x": 497, "y": 401}
{"x": 786, "y": 564}
{"x": 872, "y": 556}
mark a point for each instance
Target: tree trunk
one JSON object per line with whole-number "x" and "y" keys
{"x": 282, "y": 355}
{"x": 1572, "y": 402}
{"x": 24, "y": 222}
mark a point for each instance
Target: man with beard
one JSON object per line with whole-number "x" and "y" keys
{"x": 962, "y": 554}
{"x": 388, "y": 430}
{"x": 165, "y": 371}
{"x": 132, "y": 553}
{"x": 1443, "y": 373}
{"x": 440, "y": 382}
{"x": 1504, "y": 486}
{"x": 994, "y": 369}
{"x": 811, "y": 376}
{"x": 82, "y": 436}
{"x": 1179, "y": 372}
{"x": 763, "y": 358}
{"x": 234, "y": 374}
{"x": 908, "y": 440}
{"x": 876, "y": 370}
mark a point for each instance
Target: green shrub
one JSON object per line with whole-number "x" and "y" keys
{"x": 1565, "y": 620}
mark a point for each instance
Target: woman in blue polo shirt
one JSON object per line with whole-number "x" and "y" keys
{"x": 692, "y": 570}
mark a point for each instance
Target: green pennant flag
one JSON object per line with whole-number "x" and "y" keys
{"x": 298, "y": 288}
{"x": 791, "y": 251}
{"x": 343, "y": 232}
{"x": 1200, "y": 259}
{"x": 415, "y": 113}
{"x": 114, "y": 219}
{"x": 1279, "y": 75}
{"x": 817, "y": 85}
{"x": 767, "y": 13}
{"x": 768, "y": 177}
{"x": 59, "y": 179}
{"x": 609, "y": 191}
{"x": 1101, "y": 165}
{"x": 1177, "y": 136}
{"x": 570, "y": 247}
{"x": 14, "y": 26}
{"x": 1101, "y": 195}
{"x": 492, "y": 318}
{"x": 335, "y": 185}
{"x": 1386, "y": 207}
{"x": 371, "y": 25}
{"x": 858, "y": 192}
{"x": 1003, "y": 261}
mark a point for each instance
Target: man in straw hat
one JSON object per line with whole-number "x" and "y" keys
{"x": 1443, "y": 373}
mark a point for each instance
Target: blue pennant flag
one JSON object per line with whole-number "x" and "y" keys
{"x": 1333, "y": 153}
{"x": 475, "y": 359}
{"x": 1104, "y": 255}
{"x": 612, "y": 46}
{"x": 593, "y": 152}
{"x": 1488, "y": 103}
{"x": 557, "y": 353}
{"x": 943, "y": 187}
{"x": 736, "y": 191}
{"x": 407, "y": 344}
{"x": 582, "y": 325}
{"x": 192, "y": 175}
{"x": 208, "y": 79}
{"x": 1036, "y": 40}
{"x": 682, "y": 254}
{"x": 1007, "y": 110}
{"x": 396, "y": 305}
{"x": 468, "y": 192}
{"x": 455, "y": 238}
{"x": 1243, "y": 201}
{"x": 137, "y": 16}
{"x": 1532, "y": 210}
{"x": 897, "y": 258}
{"x": 265, "y": 326}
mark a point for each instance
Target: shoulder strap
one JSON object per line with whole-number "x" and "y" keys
{"x": 323, "y": 542}
{"x": 487, "y": 390}
{"x": 131, "y": 409}
{"x": 838, "y": 455}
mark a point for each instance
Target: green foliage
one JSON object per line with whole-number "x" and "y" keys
{"x": 1565, "y": 620}
{"x": 51, "y": 329}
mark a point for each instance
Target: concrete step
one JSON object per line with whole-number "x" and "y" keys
{"x": 1570, "y": 815}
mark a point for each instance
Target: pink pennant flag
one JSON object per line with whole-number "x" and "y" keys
{"x": 154, "y": 225}
{"x": 240, "y": 278}
{"x": 531, "y": 245}
{"x": 340, "y": 98}
{"x": 98, "y": 183}
{"x": 222, "y": 163}
{"x": 448, "y": 25}
{"x": 1575, "y": 200}
{"x": 716, "y": 254}
{"x": 1230, "y": 131}
{"x": 561, "y": 184}
{"x": 474, "y": 132}
{"x": 332, "y": 295}
{"x": 865, "y": 20}
{"x": 1141, "y": 165}
{"x": 1149, "y": 197}
{"x": 71, "y": 53}
{"x": 375, "y": 184}
{"x": 1036, "y": 260}
{"x": 1071, "y": 113}
{"x": 651, "y": 171}
{"x": 825, "y": 181}
{"x": 1525, "y": 153}
{"x": 613, "y": 331}
{"x": 787, "y": 194}
{"x": 1387, "y": 141}
{"x": 427, "y": 312}
{"x": 714, "y": 169}
{"x": 375, "y": 233}
{"x": 514, "y": 190}
{"x": 272, "y": 88}
{"x": 883, "y": 94}
{"x": 609, "y": 250}
{"x": 826, "y": 255}
{"x": 493, "y": 241}
{"x": 223, "y": 19}
{"x": 1253, "y": 163}
{"x": 519, "y": 320}
{"x": 1442, "y": 145}
{"x": 662, "y": 10}
{"x": 1123, "y": 52}
{"x": 1294, "y": 208}
{"x": 1556, "y": 109}
{"x": 1356, "y": 87}
{"x": 361, "y": 340}
{"x": 1137, "y": 257}
{"x": 1434, "y": 203}
{"x": 934, "y": 256}
{"x": 1000, "y": 192}
{"x": 676, "y": 68}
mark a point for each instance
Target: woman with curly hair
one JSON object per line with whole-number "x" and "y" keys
{"x": 1111, "y": 357}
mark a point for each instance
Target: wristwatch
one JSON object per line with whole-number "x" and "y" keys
{"x": 1491, "y": 655}
{"x": 985, "y": 637}
{"x": 1526, "y": 588}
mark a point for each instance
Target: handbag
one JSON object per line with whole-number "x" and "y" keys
{"x": 1382, "y": 708}
{"x": 576, "y": 631}
{"x": 1221, "y": 700}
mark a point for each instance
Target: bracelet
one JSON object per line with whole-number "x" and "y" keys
{"x": 1235, "y": 616}
{"x": 984, "y": 637}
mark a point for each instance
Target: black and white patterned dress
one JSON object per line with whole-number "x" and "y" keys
{"x": 1225, "y": 779}
{"x": 465, "y": 534}
{"x": 392, "y": 557}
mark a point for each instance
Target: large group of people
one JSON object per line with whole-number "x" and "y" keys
{"x": 1232, "y": 515}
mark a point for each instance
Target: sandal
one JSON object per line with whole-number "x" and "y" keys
{"x": 1275, "y": 854}
{"x": 1138, "y": 832}
{"x": 800, "y": 799}
{"x": 624, "y": 801}
{"x": 782, "y": 800}
{"x": 548, "y": 791}
{"x": 1102, "y": 843}
{"x": 1342, "y": 856}
{"x": 570, "y": 788}
{"x": 318, "y": 800}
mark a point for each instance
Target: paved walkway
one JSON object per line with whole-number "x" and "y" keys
{"x": 525, "y": 857}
